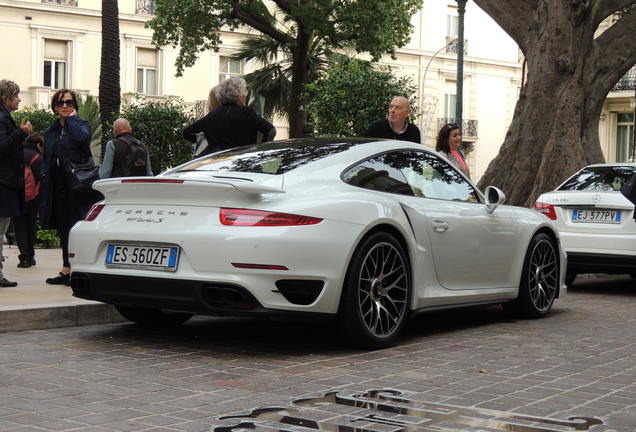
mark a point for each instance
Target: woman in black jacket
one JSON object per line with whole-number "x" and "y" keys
{"x": 67, "y": 138}
{"x": 232, "y": 124}
{"x": 11, "y": 162}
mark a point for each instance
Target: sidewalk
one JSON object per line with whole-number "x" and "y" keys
{"x": 35, "y": 305}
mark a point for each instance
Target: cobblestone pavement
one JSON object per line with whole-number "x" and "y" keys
{"x": 579, "y": 361}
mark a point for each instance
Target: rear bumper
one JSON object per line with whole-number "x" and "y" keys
{"x": 180, "y": 295}
{"x": 582, "y": 262}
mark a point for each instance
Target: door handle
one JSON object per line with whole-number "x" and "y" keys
{"x": 439, "y": 225}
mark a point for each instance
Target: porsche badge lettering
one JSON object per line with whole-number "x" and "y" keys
{"x": 145, "y": 215}
{"x": 381, "y": 408}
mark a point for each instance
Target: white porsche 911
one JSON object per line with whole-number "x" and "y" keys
{"x": 364, "y": 231}
{"x": 595, "y": 220}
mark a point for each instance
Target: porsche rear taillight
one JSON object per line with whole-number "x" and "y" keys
{"x": 546, "y": 209}
{"x": 248, "y": 217}
{"x": 94, "y": 212}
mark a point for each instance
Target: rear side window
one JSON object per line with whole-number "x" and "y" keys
{"x": 272, "y": 158}
{"x": 412, "y": 173}
{"x": 601, "y": 179}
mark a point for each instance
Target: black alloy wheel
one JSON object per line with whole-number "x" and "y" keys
{"x": 539, "y": 279}
{"x": 377, "y": 292}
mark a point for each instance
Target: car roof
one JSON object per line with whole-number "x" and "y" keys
{"x": 616, "y": 164}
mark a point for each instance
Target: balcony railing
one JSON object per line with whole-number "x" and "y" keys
{"x": 469, "y": 127}
{"x": 61, "y": 2}
{"x": 451, "y": 45}
{"x": 146, "y": 7}
{"x": 628, "y": 82}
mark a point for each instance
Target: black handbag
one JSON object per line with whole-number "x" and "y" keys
{"x": 81, "y": 175}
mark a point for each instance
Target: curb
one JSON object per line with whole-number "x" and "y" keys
{"x": 54, "y": 315}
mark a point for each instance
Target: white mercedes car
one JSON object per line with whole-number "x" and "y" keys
{"x": 363, "y": 231}
{"x": 595, "y": 220}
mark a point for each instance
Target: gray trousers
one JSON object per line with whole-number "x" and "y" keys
{"x": 4, "y": 226}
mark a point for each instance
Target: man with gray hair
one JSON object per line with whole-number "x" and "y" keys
{"x": 232, "y": 124}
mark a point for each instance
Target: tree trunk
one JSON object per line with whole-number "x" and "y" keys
{"x": 554, "y": 131}
{"x": 109, "y": 87}
{"x": 300, "y": 77}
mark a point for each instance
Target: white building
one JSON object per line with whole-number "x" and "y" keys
{"x": 56, "y": 43}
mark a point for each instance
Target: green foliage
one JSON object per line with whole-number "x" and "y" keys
{"x": 373, "y": 26}
{"x": 160, "y": 125}
{"x": 272, "y": 80}
{"x": 352, "y": 95}
{"x": 297, "y": 27}
{"x": 40, "y": 118}
{"x": 89, "y": 110}
{"x": 46, "y": 239}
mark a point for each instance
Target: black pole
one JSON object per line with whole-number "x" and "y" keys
{"x": 459, "y": 92}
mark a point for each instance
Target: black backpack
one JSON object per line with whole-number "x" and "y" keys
{"x": 131, "y": 156}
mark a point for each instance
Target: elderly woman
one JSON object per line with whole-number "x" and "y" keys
{"x": 449, "y": 139}
{"x": 232, "y": 124}
{"x": 12, "y": 201}
{"x": 61, "y": 205}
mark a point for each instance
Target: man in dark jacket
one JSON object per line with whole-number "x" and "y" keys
{"x": 125, "y": 155}
{"x": 11, "y": 163}
{"x": 396, "y": 125}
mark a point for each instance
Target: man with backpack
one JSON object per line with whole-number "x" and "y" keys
{"x": 125, "y": 155}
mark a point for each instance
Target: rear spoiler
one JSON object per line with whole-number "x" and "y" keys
{"x": 108, "y": 185}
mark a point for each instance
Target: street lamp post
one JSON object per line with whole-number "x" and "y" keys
{"x": 459, "y": 92}
{"x": 424, "y": 127}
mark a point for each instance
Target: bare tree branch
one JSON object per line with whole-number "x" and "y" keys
{"x": 514, "y": 16}
{"x": 283, "y": 5}
{"x": 259, "y": 24}
{"x": 604, "y": 8}
{"x": 614, "y": 51}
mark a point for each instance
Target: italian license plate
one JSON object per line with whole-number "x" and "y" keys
{"x": 142, "y": 256}
{"x": 596, "y": 216}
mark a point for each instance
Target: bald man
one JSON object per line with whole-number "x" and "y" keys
{"x": 396, "y": 125}
{"x": 125, "y": 155}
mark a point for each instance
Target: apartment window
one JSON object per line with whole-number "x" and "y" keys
{"x": 450, "y": 102}
{"x": 624, "y": 136}
{"x": 452, "y": 24}
{"x": 147, "y": 71}
{"x": 229, "y": 67}
{"x": 55, "y": 63}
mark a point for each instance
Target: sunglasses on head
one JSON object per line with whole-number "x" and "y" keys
{"x": 65, "y": 102}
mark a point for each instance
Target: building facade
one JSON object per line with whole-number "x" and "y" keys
{"x": 51, "y": 44}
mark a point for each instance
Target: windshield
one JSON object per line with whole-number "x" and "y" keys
{"x": 601, "y": 179}
{"x": 271, "y": 158}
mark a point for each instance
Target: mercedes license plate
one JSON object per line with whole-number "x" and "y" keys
{"x": 142, "y": 256}
{"x": 596, "y": 216}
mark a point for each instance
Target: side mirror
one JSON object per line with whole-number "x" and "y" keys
{"x": 494, "y": 198}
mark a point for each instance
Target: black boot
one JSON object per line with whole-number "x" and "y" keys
{"x": 25, "y": 262}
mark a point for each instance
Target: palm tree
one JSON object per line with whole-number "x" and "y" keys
{"x": 109, "y": 88}
{"x": 273, "y": 80}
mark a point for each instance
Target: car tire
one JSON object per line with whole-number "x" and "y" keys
{"x": 376, "y": 295}
{"x": 539, "y": 279}
{"x": 569, "y": 278}
{"x": 152, "y": 317}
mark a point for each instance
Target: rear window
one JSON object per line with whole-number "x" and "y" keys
{"x": 604, "y": 179}
{"x": 271, "y": 158}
